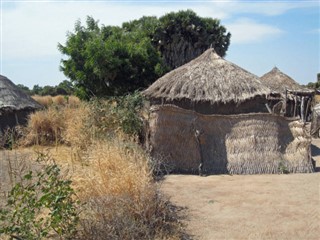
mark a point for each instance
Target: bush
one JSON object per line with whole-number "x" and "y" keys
{"x": 44, "y": 127}
{"x": 114, "y": 179}
{"x": 121, "y": 199}
{"x": 128, "y": 109}
{"x": 41, "y": 205}
{"x": 78, "y": 123}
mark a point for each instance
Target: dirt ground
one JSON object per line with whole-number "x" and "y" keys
{"x": 249, "y": 206}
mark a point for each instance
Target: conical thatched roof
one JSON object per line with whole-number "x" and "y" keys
{"x": 208, "y": 78}
{"x": 12, "y": 98}
{"x": 278, "y": 82}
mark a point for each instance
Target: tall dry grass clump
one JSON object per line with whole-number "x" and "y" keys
{"x": 73, "y": 101}
{"x": 121, "y": 199}
{"x": 77, "y": 132}
{"x": 59, "y": 124}
{"x": 45, "y": 101}
{"x": 59, "y": 100}
{"x": 44, "y": 127}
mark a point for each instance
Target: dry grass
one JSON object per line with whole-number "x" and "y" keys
{"x": 317, "y": 98}
{"x": 44, "y": 127}
{"x": 115, "y": 184}
{"x": 45, "y": 101}
{"x": 76, "y": 130}
{"x": 57, "y": 125}
{"x": 112, "y": 176}
{"x": 59, "y": 100}
{"x": 122, "y": 200}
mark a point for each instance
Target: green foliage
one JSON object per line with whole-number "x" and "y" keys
{"x": 183, "y": 36}
{"x": 108, "y": 61}
{"x": 128, "y": 109}
{"x": 24, "y": 88}
{"x": 282, "y": 168}
{"x": 315, "y": 85}
{"x": 114, "y": 61}
{"x": 63, "y": 88}
{"x": 117, "y": 114}
{"x": 40, "y": 205}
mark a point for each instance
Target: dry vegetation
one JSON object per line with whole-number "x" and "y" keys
{"x": 59, "y": 100}
{"x": 112, "y": 176}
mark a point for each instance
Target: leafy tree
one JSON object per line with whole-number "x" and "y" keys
{"x": 113, "y": 61}
{"x": 48, "y": 90}
{"x": 109, "y": 61}
{"x": 315, "y": 85}
{"x": 183, "y": 36}
{"x": 36, "y": 89}
{"x": 65, "y": 88}
{"x": 24, "y": 88}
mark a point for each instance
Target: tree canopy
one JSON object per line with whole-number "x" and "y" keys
{"x": 111, "y": 61}
{"x": 315, "y": 85}
{"x": 63, "y": 88}
{"x": 183, "y": 36}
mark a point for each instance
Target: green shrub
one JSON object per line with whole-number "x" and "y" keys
{"x": 40, "y": 205}
{"x": 117, "y": 114}
{"x": 128, "y": 109}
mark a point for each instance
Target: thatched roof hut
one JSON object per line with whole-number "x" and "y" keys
{"x": 15, "y": 105}
{"x": 210, "y": 116}
{"x": 279, "y": 82}
{"x": 210, "y": 84}
{"x": 295, "y": 99}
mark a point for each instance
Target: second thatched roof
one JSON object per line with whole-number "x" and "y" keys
{"x": 279, "y": 82}
{"x": 14, "y": 99}
{"x": 208, "y": 78}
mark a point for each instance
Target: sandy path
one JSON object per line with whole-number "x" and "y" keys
{"x": 249, "y": 206}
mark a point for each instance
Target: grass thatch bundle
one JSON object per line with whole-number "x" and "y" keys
{"x": 236, "y": 144}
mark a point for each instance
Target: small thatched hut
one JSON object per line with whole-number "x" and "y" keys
{"x": 288, "y": 97}
{"x": 210, "y": 116}
{"x": 15, "y": 105}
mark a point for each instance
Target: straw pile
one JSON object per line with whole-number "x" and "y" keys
{"x": 235, "y": 144}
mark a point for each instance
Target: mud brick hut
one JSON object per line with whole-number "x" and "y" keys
{"x": 288, "y": 97}
{"x": 210, "y": 116}
{"x": 15, "y": 105}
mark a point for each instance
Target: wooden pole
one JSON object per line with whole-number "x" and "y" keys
{"x": 295, "y": 106}
{"x": 307, "y": 108}
{"x": 269, "y": 109}
{"x": 302, "y": 109}
{"x": 285, "y": 103}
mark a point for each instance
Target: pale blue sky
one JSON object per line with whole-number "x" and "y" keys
{"x": 265, "y": 34}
